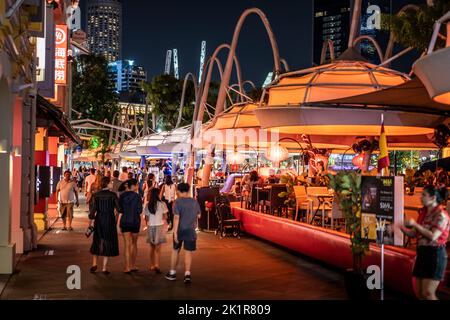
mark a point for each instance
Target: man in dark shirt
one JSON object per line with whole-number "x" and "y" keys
{"x": 186, "y": 211}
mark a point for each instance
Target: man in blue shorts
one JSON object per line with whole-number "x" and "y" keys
{"x": 186, "y": 211}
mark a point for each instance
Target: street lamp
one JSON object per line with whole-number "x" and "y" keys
{"x": 278, "y": 153}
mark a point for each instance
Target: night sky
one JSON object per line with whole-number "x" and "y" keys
{"x": 150, "y": 28}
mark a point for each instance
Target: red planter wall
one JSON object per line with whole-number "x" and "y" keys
{"x": 328, "y": 246}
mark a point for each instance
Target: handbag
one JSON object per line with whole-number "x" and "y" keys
{"x": 89, "y": 231}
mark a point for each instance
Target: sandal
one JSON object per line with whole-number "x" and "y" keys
{"x": 106, "y": 272}
{"x": 93, "y": 269}
{"x": 157, "y": 270}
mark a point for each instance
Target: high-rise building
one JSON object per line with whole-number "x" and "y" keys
{"x": 104, "y": 28}
{"x": 331, "y": 21}
{"x": 126, "y": 76}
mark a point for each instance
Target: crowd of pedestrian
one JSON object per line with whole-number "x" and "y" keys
{"x": 126, "y": 202}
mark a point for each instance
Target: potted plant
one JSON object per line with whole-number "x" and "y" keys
{"x": 410, "y": 181}
{"x": 290, "y": 181}
{"x": 347, "y": 188}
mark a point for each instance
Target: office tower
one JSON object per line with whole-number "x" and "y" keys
{"x": 126, "y": 76}
{"x": 104, "y": 28}
{"x": 331, "y": 21}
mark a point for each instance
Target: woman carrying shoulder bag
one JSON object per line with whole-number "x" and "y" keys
{"x": 168, "y": 195}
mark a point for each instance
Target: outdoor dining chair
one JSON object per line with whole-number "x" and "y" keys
{"x": 316, "y": 195}
{"x": 335, "y": 214}
{"x": 302, "y": 200}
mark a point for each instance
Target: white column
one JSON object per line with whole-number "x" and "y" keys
{"x": 16, "y": 192}
{"x": 7, "y": 249}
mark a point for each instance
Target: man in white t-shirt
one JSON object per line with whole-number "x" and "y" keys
{"x": 67, "y": 195}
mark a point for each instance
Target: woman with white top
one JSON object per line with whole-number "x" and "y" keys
{"x": 168, "y": 195}
{"x": 155, "y": 214}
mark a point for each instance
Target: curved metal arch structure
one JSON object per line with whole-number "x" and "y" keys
{"x": 250, "y": 83}
{"x": 327, "y": 44}
{"x": 183, "y": 95}
{"x": 204, "y": 90}
{"x": 285, "y": 64}
{"x": 374, "y": 42}
{"x": 228, "y": 67}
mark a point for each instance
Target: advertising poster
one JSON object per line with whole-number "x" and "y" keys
{"x": 378, "y": 202}
{"x": 369, "y": 226}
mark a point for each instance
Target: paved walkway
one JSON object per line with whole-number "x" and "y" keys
{"x": 245, "y": 268}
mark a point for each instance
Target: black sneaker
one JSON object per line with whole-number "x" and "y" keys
{"x": 171, "y": 277}
{"x": 187, "y": 278}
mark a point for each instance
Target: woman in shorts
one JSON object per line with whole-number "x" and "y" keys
{"x": 155, "y": 215}
{"x": 431, "y": 230}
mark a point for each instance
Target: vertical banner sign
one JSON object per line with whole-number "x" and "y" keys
{"x": 61, "y": 54}
{"x": 382, "y": 198}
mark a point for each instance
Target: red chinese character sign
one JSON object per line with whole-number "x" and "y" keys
{"x": 61, "y": 54}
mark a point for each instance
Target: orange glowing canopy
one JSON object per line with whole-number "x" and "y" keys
{"x": 332, "y": 81}
{"x": 300, "y": 102}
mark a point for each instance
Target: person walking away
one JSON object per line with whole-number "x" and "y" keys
{"x": 431, "y": 231}
{"x": 130, "y": 223}
{"x": 115, "y": 182}
{"x": 103, "y": 215}
{"x": 124, "y": 175}
{"x": 155, "y": 211}
{"x": 142, "y": 180}
{"x": 95, "y": 187}
{"x": 186, "y": 212}
{"x": 168, "y": 195}
{"x": 149, "y": 184}
{"x": 90, "y": 180}
{"x": 80, "y": 179}
{"x": 67, "y": 195}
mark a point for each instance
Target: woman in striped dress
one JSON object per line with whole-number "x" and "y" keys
{"x": 103, "y": 210}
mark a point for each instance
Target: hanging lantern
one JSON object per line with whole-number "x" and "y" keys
{"x": 277, "y": 153}
{"x": 235, "y": 158}
{"x": 358, "y": 160}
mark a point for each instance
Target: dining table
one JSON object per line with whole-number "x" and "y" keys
{"x": 262, "y": 193}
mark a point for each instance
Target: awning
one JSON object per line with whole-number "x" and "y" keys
{"x": 444, "y": 163}
{"x": 51, "y": 117}
{"x": 411, "y": 96}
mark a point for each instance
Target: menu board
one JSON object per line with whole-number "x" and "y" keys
{"x": 382, "y": 200}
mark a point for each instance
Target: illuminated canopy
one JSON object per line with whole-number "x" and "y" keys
{"x": 434, "y": 72}
{"x": 311, "y": 103}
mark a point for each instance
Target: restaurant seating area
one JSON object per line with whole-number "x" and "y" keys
{"x": 313, "y": 205}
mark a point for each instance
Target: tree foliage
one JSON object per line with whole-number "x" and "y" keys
{"x": 93, "y": 95}
{"x": 414, "y": 28}
{"x": 164, "y": 97}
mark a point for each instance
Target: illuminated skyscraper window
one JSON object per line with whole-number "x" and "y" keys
{"x": 104, "y": 28}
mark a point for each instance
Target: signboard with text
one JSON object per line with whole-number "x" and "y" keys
{"x": 61, "y": 54}
{"x": 382, "y": 200}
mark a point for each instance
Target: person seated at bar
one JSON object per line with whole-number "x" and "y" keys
{"x": 236, "y": 189}
{"x": 272, "y": 178}
{"x": 441, "y": 178}
{"x": 255, "y": 179}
